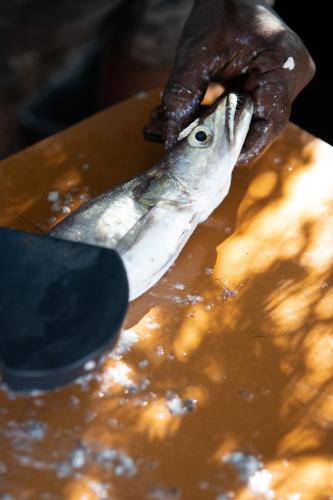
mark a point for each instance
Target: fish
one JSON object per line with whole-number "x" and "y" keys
{"x": 149, "y": 219}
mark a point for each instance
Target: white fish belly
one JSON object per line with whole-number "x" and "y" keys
{"x": 160, "y": 240}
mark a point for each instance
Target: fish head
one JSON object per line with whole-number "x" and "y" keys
{"x": 218, "y": 136}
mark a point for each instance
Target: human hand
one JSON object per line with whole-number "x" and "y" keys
{"x": 245, "y": 46}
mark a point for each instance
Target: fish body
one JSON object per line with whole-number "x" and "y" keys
{"x": 149, "y": 219}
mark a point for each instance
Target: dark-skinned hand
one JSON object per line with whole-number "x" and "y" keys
{"x": 245, "y": 46}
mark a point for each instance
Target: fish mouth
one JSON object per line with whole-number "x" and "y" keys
{"x": 237, "y": 106}
{"x": 232, "y": 106}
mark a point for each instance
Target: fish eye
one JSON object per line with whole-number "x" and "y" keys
{"x": 200, "y": 137}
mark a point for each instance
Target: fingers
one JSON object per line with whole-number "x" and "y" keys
{"x": 272, "y": 106}
{"x": 181, "y": 101}
{"x": 198, "y": 56}
{"x": 181, "y": 104}
{"x": 276, "y": 77}
{"x": 261, "y": 135}
{"x": 185, "y": 89}
{"x": 153, "y": 131}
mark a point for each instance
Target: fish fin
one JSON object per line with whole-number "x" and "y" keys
{"x": 164, "y": 202}
{"x": 151, "y": 197}
{"x": 131, "y": 236}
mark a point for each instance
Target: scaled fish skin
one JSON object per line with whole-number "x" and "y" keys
{"x": 149, "y": 219}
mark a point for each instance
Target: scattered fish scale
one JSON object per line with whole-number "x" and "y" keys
{"x": 125, "y": 342}
{"x": 161, "y": 493}
{"x": 110, "y": 459}
{"x": 178, "y": 406}
{"x": 23, "y": 434}
{"x": 228, "y": 293}
{"x": 251, "y": 473}
{"x": 117, "y": 461}
{"x": 61, "y": 201}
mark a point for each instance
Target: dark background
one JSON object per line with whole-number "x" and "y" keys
{"x": 313, "y": 109}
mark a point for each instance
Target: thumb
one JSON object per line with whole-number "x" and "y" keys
{"x": 183, "y": 93}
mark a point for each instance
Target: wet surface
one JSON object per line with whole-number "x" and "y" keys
{"x": 221, "y": 384}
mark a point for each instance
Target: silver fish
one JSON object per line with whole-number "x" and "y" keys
{"x": 149, "y": 219}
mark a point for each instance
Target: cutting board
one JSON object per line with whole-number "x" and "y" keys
{"x": 221, "y": 385}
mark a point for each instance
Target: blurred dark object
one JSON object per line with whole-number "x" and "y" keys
{"x": 67, "y": 99}
{"x": 313, "y": 109}
{"x": 61, "y": 307}
{"x": 39, "y": 38}
{"x": 102, "y": 77}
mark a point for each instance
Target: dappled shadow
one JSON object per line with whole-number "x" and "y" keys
{"x": 242, "y": 338}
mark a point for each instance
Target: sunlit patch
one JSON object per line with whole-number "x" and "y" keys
{"x": 263, "y": 185}
{"x": 319, "y": 245}
{"x": 192, "y": 332}
{"x": 214, "y": 371}
{"x": 305, "y": 185}
{"x": 157, "y": 421}
{"x": 318, "y": 354}
{"x": 151, "y": 324}
{"x": 302, "y": 438}
{"x": 289, "y": 313}
{"x": 249, "y": 250}
{"x": 308, "y": 476}
{"x": 324, "y": 307}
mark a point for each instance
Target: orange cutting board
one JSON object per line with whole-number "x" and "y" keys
{"x": 222, "y": 384}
